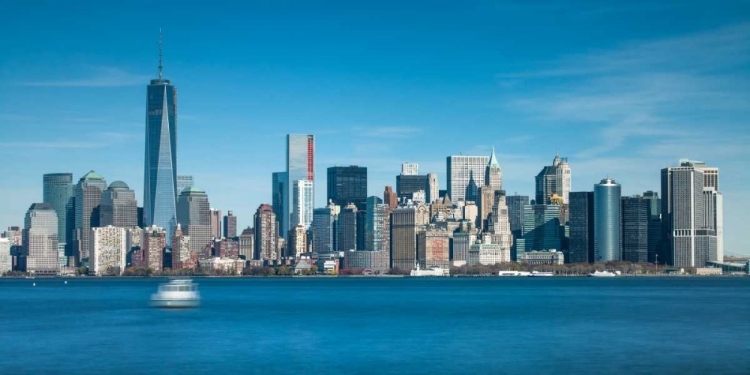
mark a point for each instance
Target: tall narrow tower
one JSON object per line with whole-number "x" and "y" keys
{"x": 160, "y": 167}
{"x": 493, "y": 175}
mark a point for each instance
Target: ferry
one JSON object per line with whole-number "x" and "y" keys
{"x": 604, "y": 274}
{"x": 513, "y": 273}
{"x": 176, "y": 294}
{"x": 432, "y": 271}
{"x": 542, "y": 274}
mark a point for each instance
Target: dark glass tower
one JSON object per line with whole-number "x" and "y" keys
{"x": 581, "y": 223}
{"x": 160, "y": 170}
{"x": 58, "y": 192}
{"x": 635, "y": 221}
{"x": 348, "y": 185}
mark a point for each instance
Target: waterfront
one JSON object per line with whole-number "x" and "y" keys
{"x": 380, "y": 325}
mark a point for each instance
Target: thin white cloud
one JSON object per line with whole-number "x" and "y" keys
{"x": 98, "y": 77}
{"x": 386, "y": 131}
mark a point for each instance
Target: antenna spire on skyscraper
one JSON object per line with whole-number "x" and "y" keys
{"x": 160, "y": 53}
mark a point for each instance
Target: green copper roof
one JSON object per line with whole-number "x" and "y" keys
{"x": 192, "y": 189}
{"x": 493, "y": 159}
{"x": 118, "y": 185}
{"x": 92, "y": 176}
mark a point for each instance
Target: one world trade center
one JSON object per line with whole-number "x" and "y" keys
{"x": 160, "y": 171}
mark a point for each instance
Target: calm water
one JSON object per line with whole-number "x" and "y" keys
{"x": 377, "y": 326}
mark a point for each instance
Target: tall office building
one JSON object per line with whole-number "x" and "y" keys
{"x": 6, "y": 260}
{"x": 499, "y": 223}
{"x": 194, "y": 217}
{"x": 230, "y": 225}
{"x": 635, "y": 219}
{"x": 515, "y": 205}
{"x": 688, "y": 225}
{"x": 493, "y": 174}
{"x": 581, "y": 226}
{"x": 374, "y": 224}
{"x": 58, "y": 192}
{"x": 297, "y": 242}
{"x": 348, "y": 185}
{"x": 653, "y": 204}
{"x": 409, "y": 169}
{"x": 324, "y": 228}
{"x": 215, "y": 222}
{"x": 88, "y": 193}
{"x": 266, "y": 235}
{"x": 153, "y": 244}
{"x": 40, "y": 240}
{"x": 433, "y": 189}
{"x": 247, "y": 243}
{"x": 160, "y": 169}
{"x": 184, "y": 182}
{"x": 346, "y": 228}
{"x": 278, "y": 192}
{"x": 302, "y": 203}
{"x": 118, "y": 207}
{"x": 465, "y": 176}
{"x": 607, "y": 236}
{"x": 541, "y": 229}
{"x": 554, "y": 179}
{"x": 407, "y": 185}
{"x": 405, "y": 223}
{"x": 485, "y": 204}
{"x": 714, "y": 201}
{"x": 300, "y": 165}
{"x": 108, "y": 251}
{"x": 390, "y": 197}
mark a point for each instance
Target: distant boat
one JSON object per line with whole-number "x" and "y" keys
{"x": 604, "y": 274}
{"x": 541, "y": 274}
{"x": 432, "y": 271}
{"x": 513, "y": 273}
{"x": 177, "y": 294}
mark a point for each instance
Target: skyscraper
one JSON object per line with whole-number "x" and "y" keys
{"x": 300, "y": 165}
{"x": 193, "y": 215}
{"x": 58, "y": 192}
{"x": 405, "y": 222}
{"x": 500, "y": 223}
{"x": 432, "y": 188}
{"x": 278, "y": 192}
{"x": 266, "y": 235}
{"x": 323, "y": 228}
{"x": 654, "y": 225}
{"x": 635, "y": 219}
{"x": 348, "y": 185}
{"x": 607, "y": 236}
{"x": 40, "y": 240}
{"x": 160, "y": 170}
{"x": 184, "y": 182}
{"x": 215, "y": 222}
{"x": 346, "y": 228}
{"x": 555, "y": 178}
{"x": 407, "y": 185}
{"x": 230, "y": 225}
{"x": 118, "y": 207}
{"x": 493, "y": 175}
{"x": 465, "y": 176}
{"x": 390, "y": 197}
{"x": 581, "y": 223}
{"x": 541, "y": 229}
{"x": 515, "y": 218}
{"x": 375, "y": 226}
{"x": 689, "y": 236}
{"x": 88, "y": 193}
{"x": 409, "y": 169}
{"x": 302, "y": 203}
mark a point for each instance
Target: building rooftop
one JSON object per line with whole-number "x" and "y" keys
{"x": 118, "y": 185}
{"x": 92, "y": 176}
{"x": 192, "y": 190}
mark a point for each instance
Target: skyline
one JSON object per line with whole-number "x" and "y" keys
{"x": 589, "y": 103}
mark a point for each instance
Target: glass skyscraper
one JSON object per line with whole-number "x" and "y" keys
{"x": 300, "y": 165}
{"x": 58, "y": 192}
{"x": 160, "y": 170}
{"x": 349, "y": 185}
{"x": 607, "y": 238}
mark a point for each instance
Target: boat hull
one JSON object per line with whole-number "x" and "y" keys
{"x": 175, "y": 303}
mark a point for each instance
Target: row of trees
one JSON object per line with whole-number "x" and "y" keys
{"x": 573, "y": 269}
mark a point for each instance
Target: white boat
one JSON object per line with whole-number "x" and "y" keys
{"x": 177, "y": 294}
{"x": 541, "y": 274}
{"x": 604, "y": 274}
{"x": 432, "y": 271}
{"x": 513, "y": 273}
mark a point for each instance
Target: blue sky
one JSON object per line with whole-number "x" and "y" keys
{"x": 620, "y": 88}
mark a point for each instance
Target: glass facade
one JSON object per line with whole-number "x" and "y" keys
{"x": 607, "y": 237}
{"x": 541, "y": 229}
{"x": 406, "y": 185}
{"x": 635, "y": 225}
{"x": 581, "y": 227}
{"x": 348, "y": 185}
{"x": 160, "y": 170}
{"x": 58, "y": 192}
{"x": 300, "y": 165}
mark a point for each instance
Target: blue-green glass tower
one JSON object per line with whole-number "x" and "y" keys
{"x": 160, "y": 171}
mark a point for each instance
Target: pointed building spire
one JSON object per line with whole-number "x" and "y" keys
{"x": 160, "y": 54}
{"x": 493, "y": 158}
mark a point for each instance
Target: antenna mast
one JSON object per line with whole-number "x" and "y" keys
{"x": 160, "y": 53}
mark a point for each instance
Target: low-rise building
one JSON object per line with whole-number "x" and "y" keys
{"x": 377, "y": 261}
{"x": 485, "y": 252}
{"x": 706, "y": 271}
{"x": 543, "y": 257}
{"x": 232, "y": 266}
